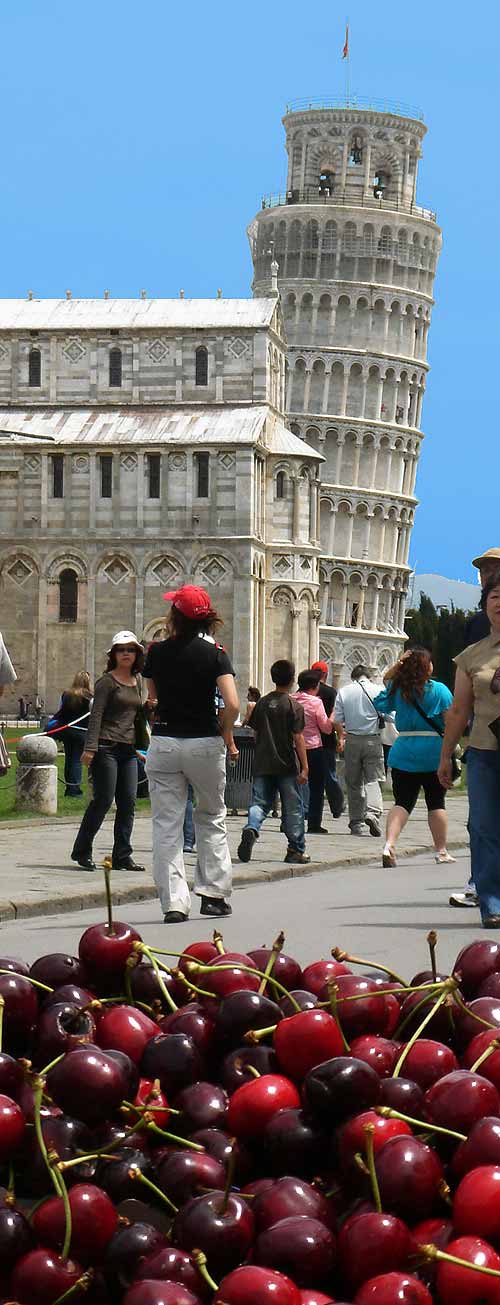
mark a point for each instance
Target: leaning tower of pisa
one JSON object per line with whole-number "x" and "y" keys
{"x": 357, "y": 256}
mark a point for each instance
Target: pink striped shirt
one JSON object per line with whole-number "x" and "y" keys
{"x": 316, "y": 720}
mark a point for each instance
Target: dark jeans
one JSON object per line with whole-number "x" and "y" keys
{"x": 73, "y": 741}
{"x": 313, "y": 792}
{"x": 264, "y": 791}
{"x": 114, "y": 775}
{"x": 189, "y": 835}
{"x": 483, "y": 780}
{"x": 333, "y": 787}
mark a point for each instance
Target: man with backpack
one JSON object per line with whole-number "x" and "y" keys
{"x": 280, "y": 765}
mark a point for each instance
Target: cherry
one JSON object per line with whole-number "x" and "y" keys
{"x": 93, "y": 1219}
{"x": 310, "y": 1296}
{"x": 285, "y": 969}
{"x": 427, "y": 1061}
{"x": 173, "y": 1265}
{"x": 316, "y": 975}
{"x": 351, "y": 1138}
{"x": 490, "y": 987}
{"x": 202, "y": 951}
{"x": 301, "y": 1247}
{"x": 20, "y": 1010}
{"x": 160, "y": 1293}
{"x": 253, "y": 1105}
{"x": 184, "y": 1174}
{"x": 145, "y": 986}
{"x": 409, "y": 1175}
{"x": 368, "y": 1014}
{"x": 16, "y": 967}
{"x": 128, "y": 1249}
{"x": 124, "y": 1028}
{"x": 105, "y": 951}
{"x": 114, "y": 1175}
{"x": 148, "y": 1099}
{"x": 476, "y": 1204}
{"x": 72, "y": 993}
{"x": 253, "y": 1285}
{"x": 11, "y": 1076}
{"x": 306, "y": 1001}
{"x": 305, "y": 1040}
{"x": 488, "y": 1008}
{"x": 174, "y": 1059}
{"x": 474, "y": 963}
{"x": 57, "y": 969}
{"x": 231, "y": 978}
{"x": 490, "y": 1067}
{"x": 16, "y": 1237}
{"x": 89, "y": 1083}
{"x": 393, "y": 1289}
{"x": 61, "y": 1027}
{"x": 295, "y": 1143}
{"x": 66, "y": 1137}
{"x": 202, "y": 1105}
{"x": 222, "y": 1227}
{"x": 242, "y": 1011}
{"x": 340, "y": 1087}
{"x": 467, "y": 1286}
{"x": 235, "y": 1066}
{"x": 370, "y": 1244}
{"x": 224, "y": 1148}
{"x": 12, "y": 1126}
{"x": 379, "y": 1052}
{"x": 403, "y": 1095}
{"x": 440, "y": 1026}
{"x": 460, "y": 1099}
{"x": 288, "y": 1197}
{"x": 194, "y": 1021}
{"x": 41, "y": 1276}
{"x": 482, "y": 1147}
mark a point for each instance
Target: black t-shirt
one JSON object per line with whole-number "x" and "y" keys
{"x": 477, "y": 627}
{"x": 275, "y": 719}
{"x": 185, "y": 673}
{"x": 328, "y": 696}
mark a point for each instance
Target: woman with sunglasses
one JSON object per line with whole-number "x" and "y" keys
{"x": 477, "y": 686}
{"x": 110, "y": 753}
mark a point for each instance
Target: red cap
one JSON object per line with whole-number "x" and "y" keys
{"x": 191, "y": 601}
{"x": 320, "y": 666}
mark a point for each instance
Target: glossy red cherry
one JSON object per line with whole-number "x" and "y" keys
{"x": 226, "y": 1149}
{"x": 202, "y": 1105}
{"x": 93, "y": 1218}
{"x": 160, "y": 1293}
{"x": 311, "y": 1296}
{"x": 476, "y": 1203}
{"x": 41, "y": 1276}
{"x": 490, "y": 1068}
{"x": 252, "y": 1106}
{"x": 241, "y": 1012}
{"x": 174, "y": 1060}
{"x": 128, "y": 1250}
{"x": 317, "y": 974}
{"x": 184, "y": 1174}
{"x": 235, "y": 1069}
{"x": 459, "y": 1099}
{"x": 225, "y": 975}
{"x": 148, "y": 1099}
{"x": 393, "y": 1289}
{"x": 203, "y": 951}
{"x": 409, "y": 1175}
{"x": 351, "y": 1137}
{"x": 253, "y": 1285}
{"x": 125, "y": 1028}
{"x": 370, "y": 1244}
{"x": 295, "y": 1144}
{"x": 379, "y": 1052}
{"x": 88, "y": 1083}
{"x": 104, "y": 952}
{"x": 145, "y": 987}
{"x": 11, "y": 1076}
{"x": 467, "y": 1026}
{"x": 300, "y": 1247}
{"x": 474, "y": 963}
{"x": 221, "y": 1227}
{"x": 306, "y": 1001}
{"x": 460, "y": 1286}
{"x": 285, "y": 969}
{"x": 339, "y": 1088}
{"x": 368, "y": 1014}
{"x": 403, "y": 1095}
{"x": 490, "y": 987}
{"x": 12, "y": 1127}
{"x": 305, "y": 1040}
{"x": 74, "y": 994}
{"x": 62, "y": 1026}
{"x": 57, "y": 968}
{"x": 16, "y": 1237}
{"x": 195, "y": 1022}
{"x": 170, "y": 1264}
{"x": 288, "y": 1197}
{"x": 14, "y": 965}
{"x": 20, "y": 1010}
{"x": 427, "y": 1061}
{"x": 482, "y": 1147}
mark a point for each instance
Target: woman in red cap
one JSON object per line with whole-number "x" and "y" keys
{"x": 188, "y": 746}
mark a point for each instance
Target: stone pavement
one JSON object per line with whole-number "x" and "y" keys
{"x": 36, "y": 877}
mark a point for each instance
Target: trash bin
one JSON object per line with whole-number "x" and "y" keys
{"x": 239, "y": 775}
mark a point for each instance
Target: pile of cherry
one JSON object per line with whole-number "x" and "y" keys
{"x": 226, "y": 1129}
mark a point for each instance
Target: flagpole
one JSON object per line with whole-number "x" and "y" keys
{"x": 347, "y": 57}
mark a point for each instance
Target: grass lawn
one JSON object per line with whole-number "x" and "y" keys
{"x": 66, "y": 806}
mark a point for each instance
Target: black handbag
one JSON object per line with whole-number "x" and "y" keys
{"x": 456, "y": 764}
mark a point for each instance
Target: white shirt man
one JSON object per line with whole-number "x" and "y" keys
{"x": 364, "y": 753}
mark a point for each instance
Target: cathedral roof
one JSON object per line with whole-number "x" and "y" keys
{"x": 120, "y": 314}
{"x": 224, "y": 425}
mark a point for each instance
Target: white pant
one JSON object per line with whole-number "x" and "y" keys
{"x": 171, "y": 765}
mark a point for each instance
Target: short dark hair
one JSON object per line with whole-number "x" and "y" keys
{"x": 253, "y": 693}
{"x": 282, "y": 673}
{"x": 491, "y": 584}
{"x": 358, "y": 671}
{"x": 139, "y": 660}
{"x": 309, "y": 680}
{"x": 182, "y": 627}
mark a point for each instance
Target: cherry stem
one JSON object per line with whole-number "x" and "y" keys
{"x": 369, "y": 1130}
{"x": 2, "y": 1006}
{"x": 385, "y": 992}
{"x": 432, "y": 942}
{"x": 433, "y": 1253}
{"x": 387, "y": 1113}
{"x": 256, "y": 1035}
{"x": 467, "y": 1011}
{"x": 56, "y": 1178}
{"x": 494, "y": 1045}
{"x": 45, "y": 1070}
{"x": 136, "y": 1174}
{"x": 339, "y": 955}
{"x": 231, "y": 1165}
{"x": 200, "y": 1261}
{"x": 333, "y": 1005}
{"x": 161, "y": 983}
{"x": 188, "y": 983}
{"x": 10, "y": 1195}
{"x": 219, "y": 944}
{"x": 109, "y": 901}
{"x": 36, "y": 983}
{"x": 184, "y": 1142}
{"x": 277, "y": 947}
{"x": 414, "y": 1038}
{"x": 82, "y": 1284}
{"x": 250, "y": 1069}
{"x": 431, "y": 988}
{"x": 244, "y": 969}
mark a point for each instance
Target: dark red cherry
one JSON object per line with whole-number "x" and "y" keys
{"x": 379, "y": 1052}
{"x": 170, "y": 1264}
{"x": 318, "y": 973}
{"x": 475, "y": 963}
{"x": 393, "y": 1289}
{"x": 194, "y": 1021}
{"x": 225, "y": 1149}
{"x": 482, "y": 1147}
{"x": 403, "y": 1095}
{"x": 202, "y": 1105}
{"x": 235, "y": 1067}
{"x": 184, "y": 1174}
{"x": 11, "y": 1076}
{"x": 41, "y": 1276}
{"x": 410, "y": 1175}
{"x": 20, "y": 1010}
{"x": 467, "y": 1026}
{"x": 339, "y": 1088}
{"x": 75, "y": 995}
{"x": 285, "y": 969}
{"x": 427, "y": 1061}
{"x": 124, "y": 1028}
{"x": 459, "y": 1099}
{"x": 61, "y": 1027}
{"x": 105, "y": 951}
{"x": 228, "y": 973}
{"x": 174, "y": 1060}
{"x": 12, "y": 1127}
{"x": 160, "y": 1293}
{"x": 300, "y": 1247}
{"x": 88, "y": 1083}
{"x": 370, "y": 1244}
{"x": 16, "y": 1237}
{"x": 93, "y": 1222}
{"x": 14, "y": 965}
{"x": 251, "y": 1284}
{"x": 114, "y": 1175}
{"x": 57, "y": 968}
{"x": 145, "y": 987}
{"x": 294, "y": 1143}
{"x": 222, "y": 1228}
{"x": 457, "y": 1285}
{"x": 240, "y": 1012}
{"x": 286, "y": 1198}
{"x": 368, "y": 1014}
{"x": 127, "y": 1251}
{"x": 306, "y": 1001}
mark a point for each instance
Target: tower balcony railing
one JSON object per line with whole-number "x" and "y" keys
{"x": 347, "y": 199}
{"x": 354, "y": 103}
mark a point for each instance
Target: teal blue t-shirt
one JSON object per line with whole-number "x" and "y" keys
{"x": 416, "y": 753}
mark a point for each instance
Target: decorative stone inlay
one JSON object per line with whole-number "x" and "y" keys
{"x": 226, "y": 460}
{"x": 116, "y": 571}
{"x": 305, "y": 564}
{"x": 282, "y": 598}
{"x": 177, "y": 461}
{"x": 80, "y": 462}
{"x": 74, "y": 349}
{"x": 33, "y": 463}
{"x": 283, "y": 564}
{"x": 237, "y": 346}
{"x": 4, "y": 352}
{"x": 19, "y": 571}
{"x": 157, "y": 350}
{"x": 213, "y": 571}
{"x": 165, "y": 570}
{"x": 128, "y": 461}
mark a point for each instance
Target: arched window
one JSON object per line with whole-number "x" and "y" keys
{"x": 201, "y": 366}
{"x": 280, "y": 484}
{"x": 68, "y": 595}
{"x": 115, "y": 367}
{"x": 202, "y": 468}
{"x": 35, "y": 367}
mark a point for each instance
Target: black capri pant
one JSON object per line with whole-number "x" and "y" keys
{"x": 406, "y": 785}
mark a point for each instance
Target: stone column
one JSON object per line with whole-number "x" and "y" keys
{"x": 349, "y": 536}
{"x": 367, "y": 176}
{"x": 380, "y": 395}
{"x": 289, "y": 390}
{"x": 314, "y": 510}
{"x": 326, "y": 384}
{"x": 331, "y": 538}
{"x": 375, "y": 609}
{"x": 41, "y": 649}
{"x": 296, "y": 510}
{"x": 36, "y": 777}
{"x": 382, "y": 540}
{"x": 365, "y": 392}
{"x": 357, "y": 455}
{"x": 44, "y": 491}
{"x": 345, "y": 387}
{"x": 90, "y": 634}
{"x": 314, "y": 321}
{"x": 307, "y": 389}
{"x": 374, "y": 469}
{"x": 92, "y": 489}
{"x": 344, "y": 603}
{"x": 53, "y": 369}
{"x": 386, "y": 326}
{"x": 140, "y": 489}
{"x": 340, "y": 445}
{"x": 295, "y": 615}
{"x": 314, "y": 616}
{"x": 420, "y": 400}
{"x": 135, "y": 370}
{"x": 361, "y": 608}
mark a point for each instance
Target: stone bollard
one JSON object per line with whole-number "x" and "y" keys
{"x": 36, "y": 778}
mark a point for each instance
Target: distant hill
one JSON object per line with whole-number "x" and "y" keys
{"x": 444, "y": 592}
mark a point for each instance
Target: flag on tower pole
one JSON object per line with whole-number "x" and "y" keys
{"x": 345, "y": 51}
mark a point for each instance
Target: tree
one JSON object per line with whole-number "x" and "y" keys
{"x": 443, "y": 632}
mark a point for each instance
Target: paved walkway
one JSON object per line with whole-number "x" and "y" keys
{"x": 36, "y": 877}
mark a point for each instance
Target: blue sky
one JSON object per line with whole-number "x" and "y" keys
{"x": 137, "y": 141}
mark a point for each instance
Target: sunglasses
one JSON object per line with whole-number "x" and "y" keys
{"x": 126, "y": 650}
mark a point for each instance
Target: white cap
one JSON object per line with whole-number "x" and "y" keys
{"x": 124, "y": 636}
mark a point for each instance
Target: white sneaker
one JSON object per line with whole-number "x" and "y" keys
{"x": 467, "y": 899}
